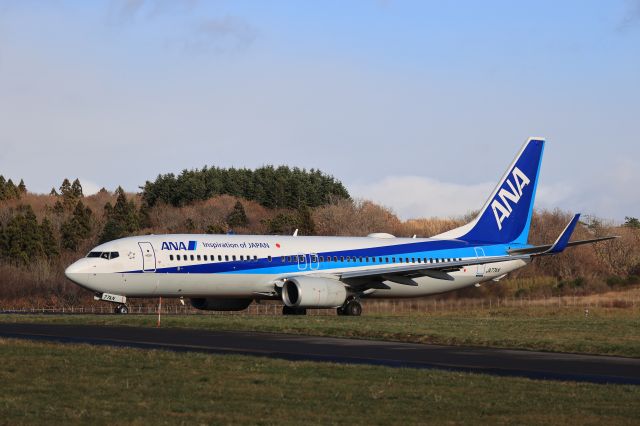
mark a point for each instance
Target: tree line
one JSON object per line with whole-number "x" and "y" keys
{"x": 10, "y": 191}
{"x": 271, "y": 187}
{"x": 41, "y": 234}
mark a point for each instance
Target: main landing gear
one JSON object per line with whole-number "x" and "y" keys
{"x": 121, "y": 309}
{"x": 351, "y": 308}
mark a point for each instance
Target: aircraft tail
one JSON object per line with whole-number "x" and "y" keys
{"x": 506, "y": 215}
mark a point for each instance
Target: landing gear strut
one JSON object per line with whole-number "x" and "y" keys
{"x": 289, "y": 310}
{"x": 351, "y": 308}
{"x": 121, "y": 309}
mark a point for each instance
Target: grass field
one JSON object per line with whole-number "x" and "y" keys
{"x": 610, "y": 331}
{"x": 79, "y": 384}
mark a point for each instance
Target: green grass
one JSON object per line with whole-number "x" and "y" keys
{"x": 79, "y": 384}
{"x": 607, "y": 331}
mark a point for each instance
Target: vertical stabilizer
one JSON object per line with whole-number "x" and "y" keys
{"x": 506, "y": 216}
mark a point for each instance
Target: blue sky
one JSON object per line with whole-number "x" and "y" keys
{"x": 417, "y": 105}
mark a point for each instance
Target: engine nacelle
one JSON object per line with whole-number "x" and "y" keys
{"x": 209, "y": 304}
{"x": 312, "y": 292}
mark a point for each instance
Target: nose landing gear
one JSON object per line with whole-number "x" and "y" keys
{"x": 121, "y": 309}
{"x": 120, "y": 301}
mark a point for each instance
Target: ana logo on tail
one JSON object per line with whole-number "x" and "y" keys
{"x": 500, "y": 205}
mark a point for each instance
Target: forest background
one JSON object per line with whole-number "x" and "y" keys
{"x": 42, "y": 234}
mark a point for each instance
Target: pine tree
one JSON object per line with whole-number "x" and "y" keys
{"x": 58, "y": 208}
{"x": 76, "y": 189}
{"x": 68, "y": 197}
{"x": 83, "y": 215}
{"x": 3, "y": 184}
{"x": 122, "y": 218}
{"x": 22, "y": 237}
{"x": 53, "y": 192}
{"x": 11, "y": 190}
{"x": 306, "y": 225}
{"x": 22, "y": 188}
{"x": 237, "y": 217}
{"x": 49, "y": 241}
{"x": 65, "y": 188}
{"x": 69, "y": 238}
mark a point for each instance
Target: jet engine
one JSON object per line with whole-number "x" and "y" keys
{"x": 209, "y": 304}
{"x": 313, "y": 292}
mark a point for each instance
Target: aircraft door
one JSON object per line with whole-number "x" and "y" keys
{"x": 313, "y": 261}
{"x": 148, "y": 257}
{"x": 480, "y": 268}
{"x": 302, "y": 262}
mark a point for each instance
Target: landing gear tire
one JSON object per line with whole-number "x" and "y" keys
{"x": 289, "y": 310}
{"x": 121, "y": 309}
{"x": 352, "y": 308}
{"x": 340, "y": 311}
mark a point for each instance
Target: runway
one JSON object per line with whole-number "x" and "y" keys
{"x": 506, "y": 362}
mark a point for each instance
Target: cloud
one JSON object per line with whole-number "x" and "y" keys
{"x": 416, "y": 196}
{"x": 89, "y": 187}
{"x": 631, "y": 17}
{"x": 221, "y": 34}
{"x": 123, "y": 11}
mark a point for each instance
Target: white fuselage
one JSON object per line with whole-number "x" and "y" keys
{"x": 249, "y": 266}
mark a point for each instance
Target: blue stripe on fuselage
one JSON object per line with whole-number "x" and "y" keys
{"x": 444, "y": 249}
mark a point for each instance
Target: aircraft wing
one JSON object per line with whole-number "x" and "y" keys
{"x": 402, "y": 274}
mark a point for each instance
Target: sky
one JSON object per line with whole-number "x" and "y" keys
{"x": 417, "y": 105}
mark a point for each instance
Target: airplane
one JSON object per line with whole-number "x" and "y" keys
{"x": 229, "y": 272}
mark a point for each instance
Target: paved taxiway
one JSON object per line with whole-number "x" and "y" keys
{"x": 540, "y": 365}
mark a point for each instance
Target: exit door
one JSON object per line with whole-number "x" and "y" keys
{"x": 480, "y": 268}
{"x": 148, "y": 257}
{"x": 302, "y": 261}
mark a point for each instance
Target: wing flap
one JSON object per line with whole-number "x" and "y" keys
{"x": 435, "y": 270}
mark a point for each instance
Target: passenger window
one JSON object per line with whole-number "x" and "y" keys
{"x": 170, "y": 257}
{"x": 233, "y": 257}
{"x": 220, "y": 258}
{"x": 255, "y": 258}
{"x": 198, "y": 257}
{"x": 341, "y": 258}
{"x": 226, "y": 257}
{"x": 241, "y": 257}
{"x": 192, "y": 258}
{"x": 269, "y": 258}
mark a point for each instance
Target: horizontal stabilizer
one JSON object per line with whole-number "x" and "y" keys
{"x": 563, "y": 239}
{"x": 561, "y": 243}
{"x": 544, "y": 249}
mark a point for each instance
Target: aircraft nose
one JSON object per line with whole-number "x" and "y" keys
{"x": 78, "y": 273}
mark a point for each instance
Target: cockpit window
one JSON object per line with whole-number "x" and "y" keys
{"x": 104, "y": 254}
